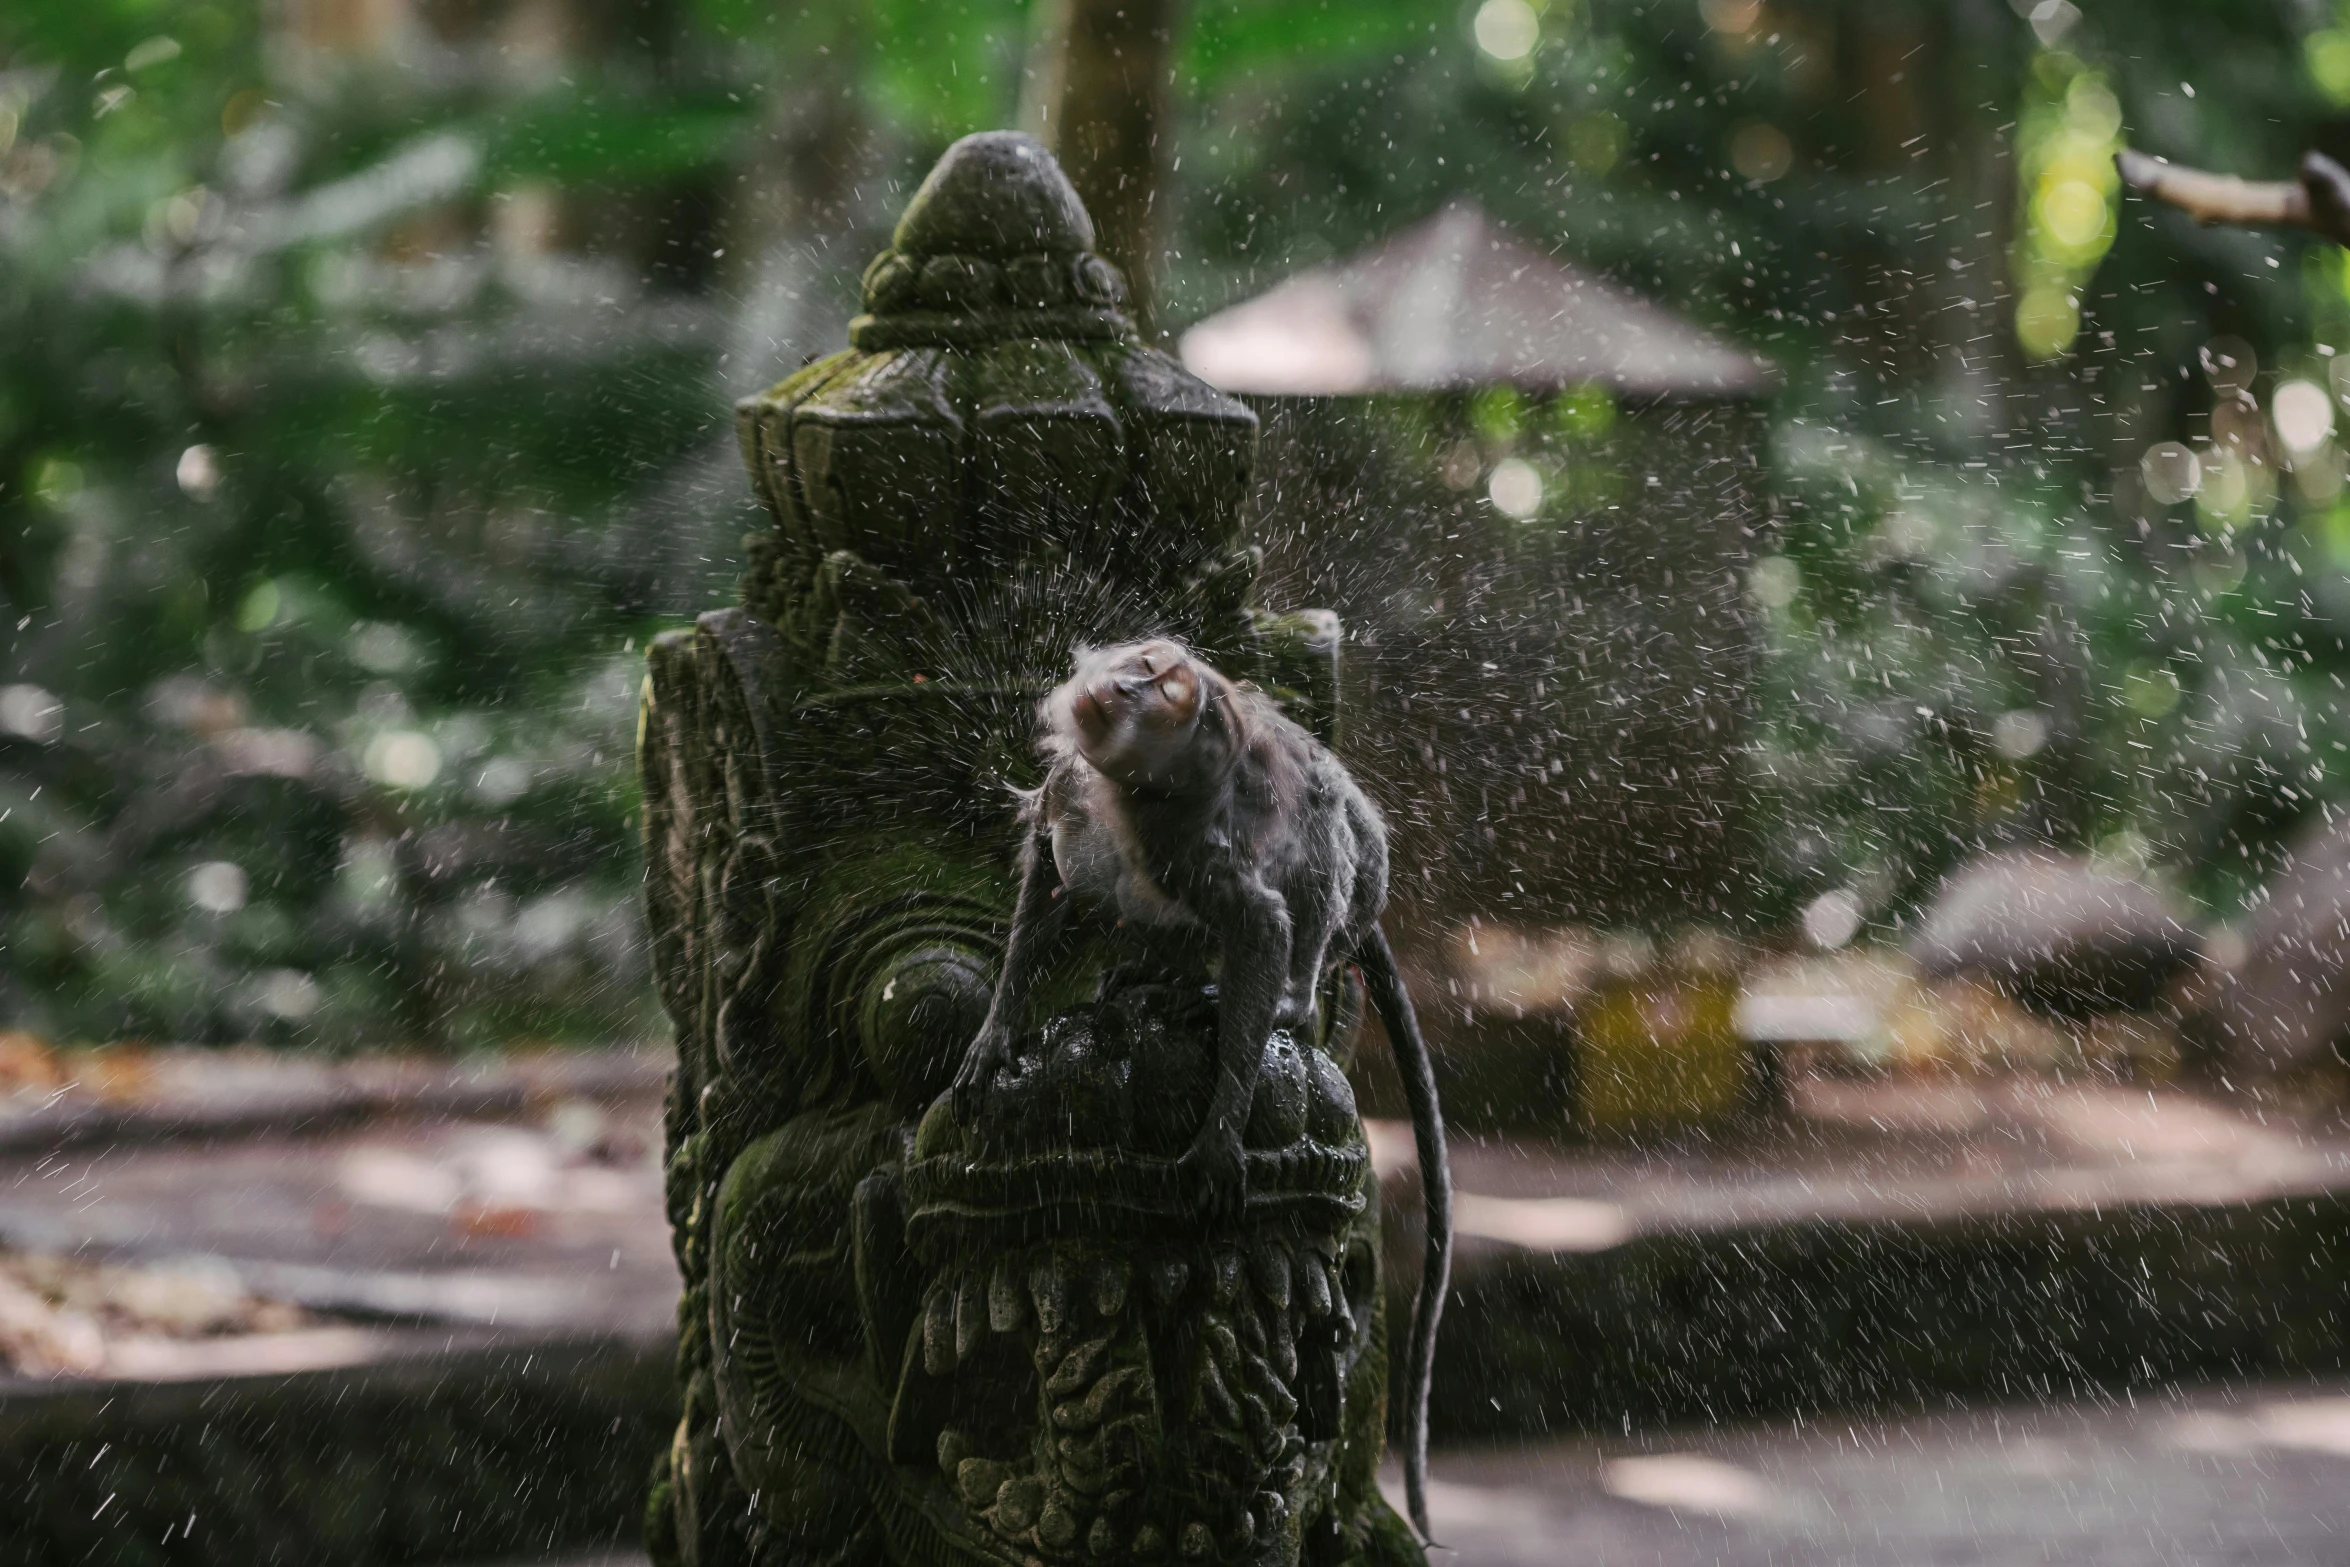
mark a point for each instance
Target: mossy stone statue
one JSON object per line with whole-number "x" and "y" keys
{"x": 908, "y": 1338}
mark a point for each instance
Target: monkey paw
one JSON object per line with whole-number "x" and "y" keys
{"x": 987, "y": 1052}
{"x": 1215, "y": 1174}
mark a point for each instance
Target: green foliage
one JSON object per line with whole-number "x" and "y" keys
{"x": 320, "y": 618}
{"x": 1231, "y": 39}
{"x": 1980, "y": 621}
{"x": 365, "y": 403}
{"x": 588, "y": 136}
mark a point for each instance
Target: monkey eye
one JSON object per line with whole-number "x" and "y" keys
{"x": 1172, "y": 690}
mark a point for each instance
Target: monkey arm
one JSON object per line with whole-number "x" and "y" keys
{"x": 1037, "y": 919}
{"x": 1254, "y": 975}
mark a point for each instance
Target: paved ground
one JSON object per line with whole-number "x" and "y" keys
{"x": 548, "y": 1210}
{"x": 548, "y": 1220}
{"x": 1890, "y": 1148}
{"x": 2243, "y": 1477}
{"x": 551, "y": 1216}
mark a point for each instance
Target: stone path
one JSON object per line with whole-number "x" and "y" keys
{"x": 127, "y": 1095}
{"x": 548, "y": 1217}
{"x": 1895, "y": 1239}
{"x": 491, "y": 1366}
{"x": 527, "y": 1195}
{"x": 1887, "y": 1148}
{"x": 2238, "y": 1476}
{"x": 2255, "y": 1476}
{"x": 1894, "y": 1242}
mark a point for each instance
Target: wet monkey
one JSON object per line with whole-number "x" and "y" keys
{"x": 1178, "y": 801}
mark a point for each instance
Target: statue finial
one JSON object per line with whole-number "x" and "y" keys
{"x": 994, "y": 244}
{"x": 996, "y": 193}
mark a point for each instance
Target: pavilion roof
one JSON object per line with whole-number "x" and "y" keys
{"x": 1455, "y": 303}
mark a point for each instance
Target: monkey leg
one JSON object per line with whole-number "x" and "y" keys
{"x": 1037, "y": 920}
{"x": 1253, "y": 978}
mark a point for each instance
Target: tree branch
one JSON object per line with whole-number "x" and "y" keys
{"x": 2319, "y": 200}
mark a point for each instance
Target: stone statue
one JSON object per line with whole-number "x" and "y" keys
{"x": 910, "y": 1336}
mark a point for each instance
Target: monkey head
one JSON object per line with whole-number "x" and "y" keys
{"x": 1147, "y": 715}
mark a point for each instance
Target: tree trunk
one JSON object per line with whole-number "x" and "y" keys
{"x": 800, "y": 196}
{"x": 1096, "y": 95}
{"x": 1979, "y": 77}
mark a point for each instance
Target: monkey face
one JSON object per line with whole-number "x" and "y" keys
{"x": 1134, "y": 711}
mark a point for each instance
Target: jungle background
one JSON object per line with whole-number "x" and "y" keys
{"x": 366, "y": 370}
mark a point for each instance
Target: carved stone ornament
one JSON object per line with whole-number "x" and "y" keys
{"x": 1011, "y": 1342}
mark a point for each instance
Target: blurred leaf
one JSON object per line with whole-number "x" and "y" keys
{"x": 593, "y": 137}
{"x": 1231, "y": 38}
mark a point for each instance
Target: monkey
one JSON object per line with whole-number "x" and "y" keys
{"x": 1177, "y": 800}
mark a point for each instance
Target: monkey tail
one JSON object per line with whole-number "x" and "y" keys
{"x": 1419, "y": 1086}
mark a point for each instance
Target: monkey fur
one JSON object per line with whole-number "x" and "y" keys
{"x": 1178, "y": 801}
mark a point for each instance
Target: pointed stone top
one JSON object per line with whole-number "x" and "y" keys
{"x": 995, "y": 244}
{"x": 997, "y": 193}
